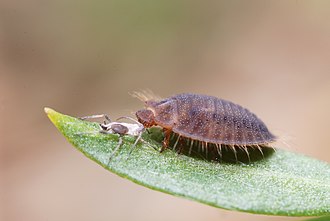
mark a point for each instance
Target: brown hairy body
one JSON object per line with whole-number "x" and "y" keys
{"x": 205, "y": 119}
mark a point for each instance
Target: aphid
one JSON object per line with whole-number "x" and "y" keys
{"x": 121, "y": 128}
{"x": 206, "y": 120}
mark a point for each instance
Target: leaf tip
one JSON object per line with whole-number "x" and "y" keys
{"x": 48, "y": 110}
{"x": 52, "y": 114}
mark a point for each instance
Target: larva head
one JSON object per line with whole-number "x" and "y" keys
{"x": 146, "y": 117}
{"x": 162, "y": 113}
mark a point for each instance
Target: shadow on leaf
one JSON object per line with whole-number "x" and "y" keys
{"x": 227, "y": 154}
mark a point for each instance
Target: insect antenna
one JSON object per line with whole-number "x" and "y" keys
{"x": 96, "y": 116}
{"x": 129, "y": 118}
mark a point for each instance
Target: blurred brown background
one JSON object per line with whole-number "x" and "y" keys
{"x": 83, "y": 57}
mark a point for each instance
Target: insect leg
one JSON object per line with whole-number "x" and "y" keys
{"x": 148, "y": 144}
{"x": 120, "y": 142}
{"x": 182, "y": 144}
{"x": 136, "y": 141}
{"x": 166, "y": 140}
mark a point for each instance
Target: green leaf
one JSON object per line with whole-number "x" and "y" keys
{"x": 278, "y": 183}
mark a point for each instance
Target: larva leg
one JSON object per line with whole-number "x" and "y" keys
{"x": 176, "y": 142}
{"x": 166, "y": 141}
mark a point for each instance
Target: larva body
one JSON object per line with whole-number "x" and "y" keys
{"x": 205, "y": 119}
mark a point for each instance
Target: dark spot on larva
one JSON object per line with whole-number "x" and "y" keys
{"x": 207, "y": 120}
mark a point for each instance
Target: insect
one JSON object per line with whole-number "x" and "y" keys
{"x": 121, "y": 128}
{"x": 205, "y": 120}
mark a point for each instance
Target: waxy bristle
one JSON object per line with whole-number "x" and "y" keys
{"x": 145, "y": 95}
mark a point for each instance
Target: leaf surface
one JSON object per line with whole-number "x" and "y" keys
{"x": 278, "y": 183}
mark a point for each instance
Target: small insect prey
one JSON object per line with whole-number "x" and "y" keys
{"x": 112, "y": 127}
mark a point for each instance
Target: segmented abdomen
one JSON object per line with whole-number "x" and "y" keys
{"x": 213, "y": 120}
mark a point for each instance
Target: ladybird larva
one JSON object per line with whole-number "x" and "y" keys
{"x": 205, "y": 119}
